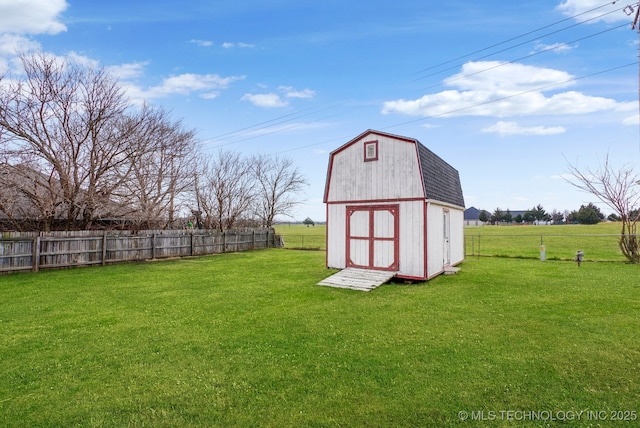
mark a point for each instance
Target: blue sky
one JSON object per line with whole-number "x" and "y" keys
{"x": 506, "y": 92}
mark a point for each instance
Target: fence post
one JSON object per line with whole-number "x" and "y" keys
{"x": 104, "y": 249}
{"x": 36, "y": 254}
{"x": 192, "y": 243}
{"x": 224, "y": 241}
{"x": 153, "y": 245}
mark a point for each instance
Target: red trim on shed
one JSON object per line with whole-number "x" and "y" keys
{"x": 374, "y": 201}
{"x": 426, "y": 241}
{"x": 326, "y": 235}
{"x": 370, "y": 150}
{"x": 372, "y": 242}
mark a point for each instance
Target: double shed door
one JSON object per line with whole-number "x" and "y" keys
{"x": 372, "y": 237}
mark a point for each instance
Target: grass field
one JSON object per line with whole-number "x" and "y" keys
{"x": 248, "y": 339}
{"x": 598, "y": 242}
{"x": 299, "y": 236}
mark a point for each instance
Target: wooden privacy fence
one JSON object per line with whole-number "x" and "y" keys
{"x": 34, "y": 251}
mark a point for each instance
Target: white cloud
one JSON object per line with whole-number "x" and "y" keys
{"x": 210, "y": 95}
{"x": 128, "y": 71}
{"x": 273, "y": 100}
{"x": 554, "y": 47}
{"x": 82, "y": 60}
{"x": 10, "y": 44}
{"x": 206, "y": 86}
{"x": 593, "y": 10}
{"x": 508, "y": 77}
{"x": 290, "y": 92}
{"x": 265, "y": 100}
{"x": 31, "y": 16}
{"x": 188, "y": 83}
{"x": 495, "y": 89}
{"x": 632, "y": 120}
{"x": 203, "y": 43}
{"x": 513, "y": 128}
{"x": 229, "y": 45}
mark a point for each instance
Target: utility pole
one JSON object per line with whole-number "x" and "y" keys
{"x": 629, "y": 10}
{"x": 636, "y": 26}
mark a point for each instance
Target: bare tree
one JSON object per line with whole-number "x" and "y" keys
{"x": 279, "y": 186}
{"x": 160, "y": 169}
{"x": 93, "y": 155}
{"x": 619, "y": 189}
{"x": 68, "y": 120}
{"x": 225, "y": 190}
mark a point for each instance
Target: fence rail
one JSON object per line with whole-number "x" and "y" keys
{"x": 34, "y": 251}
{"x": 596, "y": 247}
{"x": 305, "y": 242}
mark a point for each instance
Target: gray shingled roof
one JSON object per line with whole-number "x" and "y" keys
{"x": 472, "y": 213}
{"x": 441, "y": 180}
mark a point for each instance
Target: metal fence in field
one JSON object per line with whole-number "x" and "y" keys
{"x": 305, "y": 242}
{"x": 34, "y": 251}
{"x": 595, "y": 247}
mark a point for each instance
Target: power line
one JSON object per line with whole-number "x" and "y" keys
{"x": 513, "y": 95}
{"x": 636, "y": 26}
{"x": 494, "y": 100}
{"x": 275, "y": 121}
{"x": 257, "y": 128}
{"x": 294, "y": 126}
{"x": 524, "y": 35}
{"x": 555, "y": 47}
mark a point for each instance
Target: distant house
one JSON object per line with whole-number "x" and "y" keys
{"x": 517, "y": 213}
{"x": 472, "y": 217}
{"x": 393, "y": 205}
{"x": 30, "y": 200}
{"x": 21, "y": 186}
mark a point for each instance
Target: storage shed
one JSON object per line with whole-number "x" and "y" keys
{"x": 393, "y": 205}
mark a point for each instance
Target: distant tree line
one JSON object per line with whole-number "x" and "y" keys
{"x": 76, "y": 154}
{"x": 587, "y": 214}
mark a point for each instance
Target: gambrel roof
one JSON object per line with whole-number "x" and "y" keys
{"x": 440, "y": 181}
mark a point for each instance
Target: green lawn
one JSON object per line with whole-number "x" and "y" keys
{"x": 598, "y": 242}
{"x": 248, "y": 339}
{"x": 299, "y": 236}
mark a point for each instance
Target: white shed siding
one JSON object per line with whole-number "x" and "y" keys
{"x": 435, "y": 248}
{"x": 336, "y": 236}
{"x": 435, "y": 237}
{"x": 395, "y": 175}
{"x": 412, "y": 239}
{"x": 457, "y": 236}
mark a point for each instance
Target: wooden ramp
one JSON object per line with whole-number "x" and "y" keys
{"x": 358, "y": 279}
{"x": 451, "y": 270}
